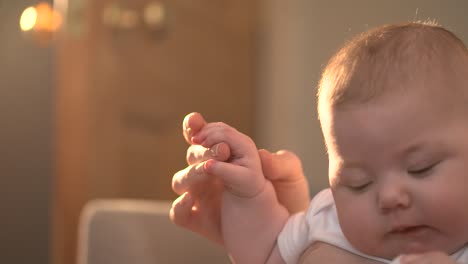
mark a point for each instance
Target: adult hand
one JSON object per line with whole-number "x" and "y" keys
{"x": 321, "y": 252}
{"x": 199, "y": 204}
{"x": 435, "y": 257}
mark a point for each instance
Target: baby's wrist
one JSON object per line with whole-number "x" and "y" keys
{"x": 247, "y": 194}
{"x": 265, "y": 197}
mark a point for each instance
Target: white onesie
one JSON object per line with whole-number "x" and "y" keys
{"x": 320, "y": 223}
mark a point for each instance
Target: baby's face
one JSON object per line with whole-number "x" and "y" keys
{"x": 398, "y": 169}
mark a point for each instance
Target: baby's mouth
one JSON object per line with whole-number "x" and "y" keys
{"x": 409, "y": 230}
{"x": 412, "y": 238}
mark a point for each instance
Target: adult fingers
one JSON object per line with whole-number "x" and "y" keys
{"x": 432, "y": 257}
{"x": 184, "y": 214}
{"x": 181, "y": 210}
{"x": 187, "y": 178}
{"x": 284, "y": 170}
{"x": 192, "y": 123}
{"x": 282, "y": 165}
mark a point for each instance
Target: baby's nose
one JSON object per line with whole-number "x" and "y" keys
{"x": 393, "y": 196}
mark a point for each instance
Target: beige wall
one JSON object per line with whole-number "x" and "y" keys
{"x": 26, "y": 105}
{"x": 299, "y": 37}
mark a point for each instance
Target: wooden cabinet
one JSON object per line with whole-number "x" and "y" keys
{"x": 122, "y": 94}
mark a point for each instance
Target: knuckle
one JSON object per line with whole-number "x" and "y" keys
{"x": 185, "y": 179}
{"x": 175, "y": 217}
{"x": 223, "y": 127}
{"x": 172, "y": 214}
{"x": 178, "y": 180}
{"x": 220, "y": 124}
{"x": 196, "y": 154}
{"x": 190, "y": 157}
{"x": 175, "y": 185}
{"x": 249, "y": 140}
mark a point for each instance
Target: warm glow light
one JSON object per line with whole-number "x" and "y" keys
{"x": 28, "y": 18}
{"x": 40, "y": 18}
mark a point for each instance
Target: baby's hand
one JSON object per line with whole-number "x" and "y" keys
{"x": 242, "y": 174}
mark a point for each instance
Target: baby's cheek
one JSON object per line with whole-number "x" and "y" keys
{"x": 351, "y": 223}
{"x": 357, "y": 225}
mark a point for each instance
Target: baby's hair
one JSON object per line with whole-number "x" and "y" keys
{"x": 388, "y": 58}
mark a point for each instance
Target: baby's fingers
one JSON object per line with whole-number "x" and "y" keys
{"x": 242, "y": 147}
{"x": 217, "y": 132}
{"x": 198, "y": 153}
{"x": 238, "y": 180}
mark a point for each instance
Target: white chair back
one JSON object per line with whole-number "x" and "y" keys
{"x": 139, "y": 232}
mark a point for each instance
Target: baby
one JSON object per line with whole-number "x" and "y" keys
{"x": 393, "y": 108}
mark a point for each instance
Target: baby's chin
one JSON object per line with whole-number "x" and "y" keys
{"x": 413, "y": 248}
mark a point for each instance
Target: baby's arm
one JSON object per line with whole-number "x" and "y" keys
{"x": 251, "y": 216}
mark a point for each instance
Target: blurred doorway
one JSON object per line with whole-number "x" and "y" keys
{"x": 124, "y": 86}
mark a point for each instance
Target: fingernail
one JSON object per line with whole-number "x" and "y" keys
{"x": 195, "y": 140}
{"x": 207, "y": 164}
{"x": 189, "y": 132}
{"x": 214, "y": 150}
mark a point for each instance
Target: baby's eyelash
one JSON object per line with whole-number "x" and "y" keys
{"x": 360, "y": 187}
{"x": 423, "y": 170}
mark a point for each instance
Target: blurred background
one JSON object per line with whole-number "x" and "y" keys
{"x": 93, "y": 93}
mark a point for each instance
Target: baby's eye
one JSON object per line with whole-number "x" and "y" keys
{"x": 422, "y": 170}
{"x": 359, "y": 188}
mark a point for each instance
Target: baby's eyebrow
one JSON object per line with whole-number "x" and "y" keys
{"x": 414, "y": 148}
{"x": 345, "y": 173}
{"x": 422, "y": 147}
{"x": 351, "y": 164}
